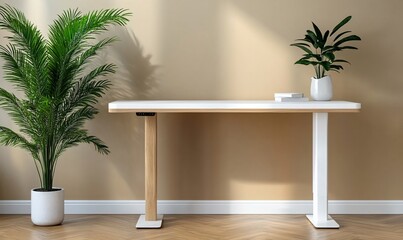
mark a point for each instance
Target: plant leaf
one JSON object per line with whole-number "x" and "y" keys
{"x": 347, "y": 39}
{"x": 330, "y": 56}
{"x": 318, "y": 32}
{"x": 325, "y": 36}
{"x": 346, "y": 47}
{"x": 27, "y": 39}
{"x": 325, "y": 65}
{"x": 303, "y": 48}
{"x": 306, "y": 39}
{"x": 341, "y": 34}
{"x": 327, "y": 48}
{"x": 338, "y": 26}
{"x": 300, "y": 44}
{"x": 341, "y": 60}
{"x": 303, "y": 62}
{"x": 338, "y": 67}
{"x": 313, "y": 37}
{"x": 316, "y": 56}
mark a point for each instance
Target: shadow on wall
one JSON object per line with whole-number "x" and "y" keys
{"x": 136, "y": 75}
{"x": 135, "y": 78}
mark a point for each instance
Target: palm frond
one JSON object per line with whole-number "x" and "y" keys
{"x": 18, "y": 112}
{"x": 92, "y": 52}
{"x": 81, "y": 136}
{"x": 75, "y": 121}
{"x": 10, "y": 138}
{"x": 67, "y": 40}
{"x": 27, "y": 38}
{"x": 87, "y": 89}
{"x": 16, "y": 69}
{"x": 98, "y": 144}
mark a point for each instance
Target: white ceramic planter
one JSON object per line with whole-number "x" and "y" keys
{"x": 47, "y": 208}
{"x": 321, "y": 89}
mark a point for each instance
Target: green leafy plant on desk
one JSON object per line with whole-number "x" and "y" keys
{"x": 320, "y": 50}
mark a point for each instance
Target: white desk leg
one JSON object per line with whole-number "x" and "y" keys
{"x": 320, "y": 217}
{"x": 150, "y": 219}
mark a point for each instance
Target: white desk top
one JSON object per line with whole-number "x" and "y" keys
{"x": 230, "y": 106}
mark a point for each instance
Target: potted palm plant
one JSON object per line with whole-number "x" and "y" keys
{"x": 59, "y": 89}
{"x": 320, "y": 51}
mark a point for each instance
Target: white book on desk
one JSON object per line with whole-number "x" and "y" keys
{"x": 291, "y": 99}
{"x": 292, "y": 95}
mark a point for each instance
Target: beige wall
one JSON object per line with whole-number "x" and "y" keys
{"x": 212, "y": 49}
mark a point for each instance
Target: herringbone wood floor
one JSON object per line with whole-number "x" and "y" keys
{"x": 177, "y": 227}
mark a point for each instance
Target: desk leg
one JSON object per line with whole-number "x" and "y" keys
{"x": 320, "y": 217}
{"x": 150, "y": 219}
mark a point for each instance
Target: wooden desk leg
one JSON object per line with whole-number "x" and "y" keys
{"x": 150, "y": 219}
{"x": 320, "y": 217}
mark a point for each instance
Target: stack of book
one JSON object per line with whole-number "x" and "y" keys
{"x": 290, "y": 97}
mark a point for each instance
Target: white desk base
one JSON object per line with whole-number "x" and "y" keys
{"x": 142, "y": 223}
{"x": 320, "y": 218}
{"x": 328, "y": 223}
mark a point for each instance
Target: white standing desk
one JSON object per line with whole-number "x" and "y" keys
{"x": 319, "y": 110}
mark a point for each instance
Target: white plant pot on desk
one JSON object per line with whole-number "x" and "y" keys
{"x": 321, "y": 89}
{"x": 47, "y": 208}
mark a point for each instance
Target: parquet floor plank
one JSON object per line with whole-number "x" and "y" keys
{"x": 205, "y": 227}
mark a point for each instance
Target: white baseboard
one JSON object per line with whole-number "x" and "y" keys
{"x": 213, "y": 207}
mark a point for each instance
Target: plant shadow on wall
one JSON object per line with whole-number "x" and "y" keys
{"x": 135, "y": 78}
